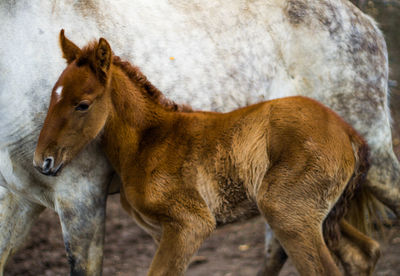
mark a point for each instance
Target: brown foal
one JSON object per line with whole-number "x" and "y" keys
{"x": 293, "y": 160}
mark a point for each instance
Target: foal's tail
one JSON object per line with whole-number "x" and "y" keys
{"x": 356, "y": 204}
{"x": 364, "y": 209}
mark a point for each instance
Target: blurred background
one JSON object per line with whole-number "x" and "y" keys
{"x": 232, "y": 250}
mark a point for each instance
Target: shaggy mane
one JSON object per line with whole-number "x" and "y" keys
{"x": 133, "y": 72}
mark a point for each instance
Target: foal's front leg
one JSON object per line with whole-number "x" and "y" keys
{"x": 191, "y": 222}
{"x": 178, "y": 244}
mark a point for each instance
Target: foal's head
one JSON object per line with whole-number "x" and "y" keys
{"x": 79, "y": 105}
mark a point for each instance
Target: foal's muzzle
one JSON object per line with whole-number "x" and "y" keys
{"x": 47, "y": 166}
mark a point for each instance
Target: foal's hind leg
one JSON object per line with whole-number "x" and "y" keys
{"x": 295, "y": 212}
{"x": 16, "y": 218}
{"x": 303, "y": 242}
{"x": 357, "y": 252}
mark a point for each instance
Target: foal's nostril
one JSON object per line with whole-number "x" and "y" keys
{"x": 48, "y": 164}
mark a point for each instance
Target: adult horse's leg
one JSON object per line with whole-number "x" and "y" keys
{"x": 80, "y": 201}
{"x": 16, "y": 217}
{"x": 384, "y": 177}
{"x": 82, "y": 217}
{"x": 275, "y": 256}
{"x": 82, "y": 223}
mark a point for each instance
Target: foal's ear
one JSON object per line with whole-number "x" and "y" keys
{"x": 103, "y": 57}
{"x": 69, "y": 49}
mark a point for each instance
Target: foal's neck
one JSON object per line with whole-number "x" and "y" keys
{"x": 133, "y": 112}
{"x": 133, "y": 105}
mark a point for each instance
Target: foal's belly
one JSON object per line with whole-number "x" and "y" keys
{"x": 228, "y": 213}
{"x": 228, "y": 200}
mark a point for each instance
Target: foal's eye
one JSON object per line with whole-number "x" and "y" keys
{"x": 82, "y": 106}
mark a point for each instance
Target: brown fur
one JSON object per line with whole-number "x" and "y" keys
{"x": 331, "y": 224}
{"x": 182, "y": 173}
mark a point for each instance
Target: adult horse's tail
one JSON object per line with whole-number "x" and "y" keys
{"x": 364, "y": 209}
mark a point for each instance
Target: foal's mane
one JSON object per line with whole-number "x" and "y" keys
{"x": 135, "y": 75}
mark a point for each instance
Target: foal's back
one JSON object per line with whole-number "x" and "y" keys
{"x": 231, "y": 154}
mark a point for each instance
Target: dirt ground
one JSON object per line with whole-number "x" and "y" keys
{"x": 232, "y": 250}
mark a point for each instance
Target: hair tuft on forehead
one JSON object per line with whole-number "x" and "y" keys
{"x": 87, "y": 55}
